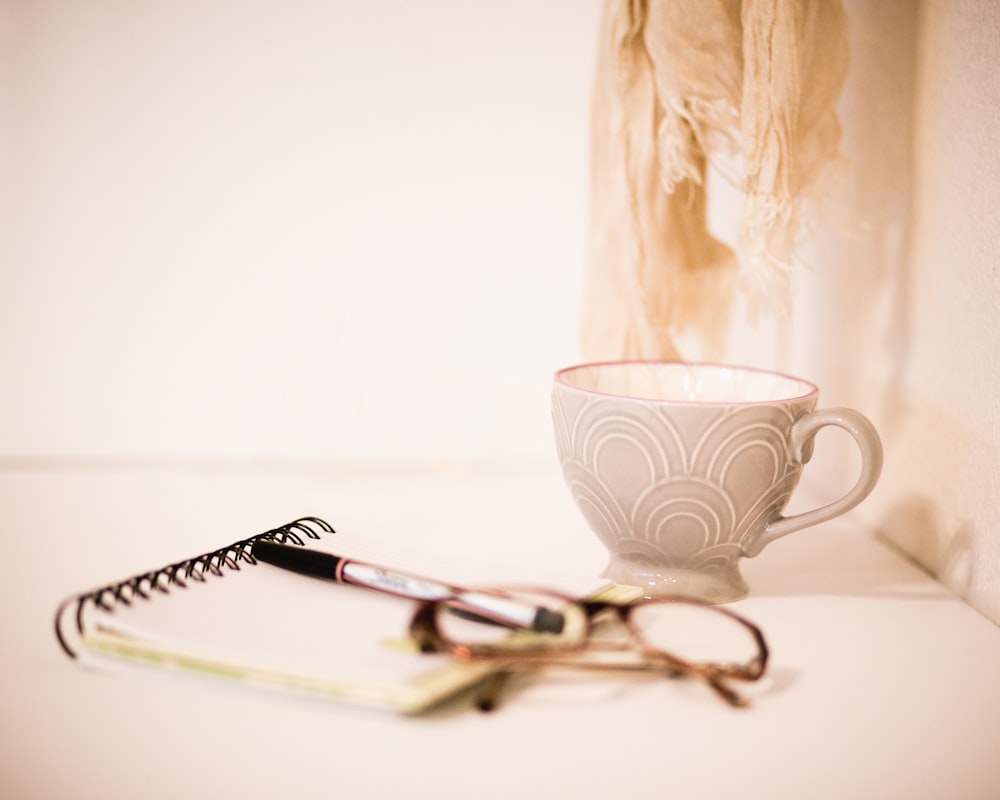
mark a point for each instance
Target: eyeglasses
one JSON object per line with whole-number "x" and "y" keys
{"x": 674, "y": 638}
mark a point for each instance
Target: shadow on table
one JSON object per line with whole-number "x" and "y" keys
{"x": 864, "y": 563}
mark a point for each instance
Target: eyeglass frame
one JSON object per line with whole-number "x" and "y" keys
{"x": 426, "y": 634}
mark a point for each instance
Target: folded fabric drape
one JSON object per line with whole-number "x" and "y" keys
{"x": 677, "y": 83}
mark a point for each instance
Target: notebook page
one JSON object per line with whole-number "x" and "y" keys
{"x": 268, "y": 625}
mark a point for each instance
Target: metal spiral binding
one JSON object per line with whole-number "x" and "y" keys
{"x": 198, "y": 569}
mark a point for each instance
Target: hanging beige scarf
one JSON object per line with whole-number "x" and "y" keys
{"x": 677, "y": 82}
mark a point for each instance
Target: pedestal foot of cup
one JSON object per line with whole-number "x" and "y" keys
{"x": 715, "y": 586}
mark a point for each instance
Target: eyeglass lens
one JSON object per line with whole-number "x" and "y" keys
{"x": 694, "y": 633}
{"x": 460, "y": 624}
{"x": 697, "y": 634}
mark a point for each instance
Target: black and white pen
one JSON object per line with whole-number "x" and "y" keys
{"x": 491, "y": 606}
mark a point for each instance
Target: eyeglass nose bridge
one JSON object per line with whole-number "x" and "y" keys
{"x": 607, "y": 623}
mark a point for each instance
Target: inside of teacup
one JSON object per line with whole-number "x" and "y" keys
{"x": 678, "y": 382}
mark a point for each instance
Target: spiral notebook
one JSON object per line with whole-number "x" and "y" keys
{"x": 227, "y": 615}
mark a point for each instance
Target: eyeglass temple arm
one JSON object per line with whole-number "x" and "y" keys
{"x": 488, "y": 696}
{"x": 714, "y": 680}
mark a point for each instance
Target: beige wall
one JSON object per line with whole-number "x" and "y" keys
{"x": 306, "y": 229}
{"x": 354, "y": 232}
{"x": 945, "y": 402}
{"x": 904, "y": 320}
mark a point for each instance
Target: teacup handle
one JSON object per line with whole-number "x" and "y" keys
{"x": 803, "y": 431}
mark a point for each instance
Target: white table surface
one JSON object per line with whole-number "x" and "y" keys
{"x": 883, "y": 685}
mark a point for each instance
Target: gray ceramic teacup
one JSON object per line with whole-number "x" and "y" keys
{"x": 682, "y": 469}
